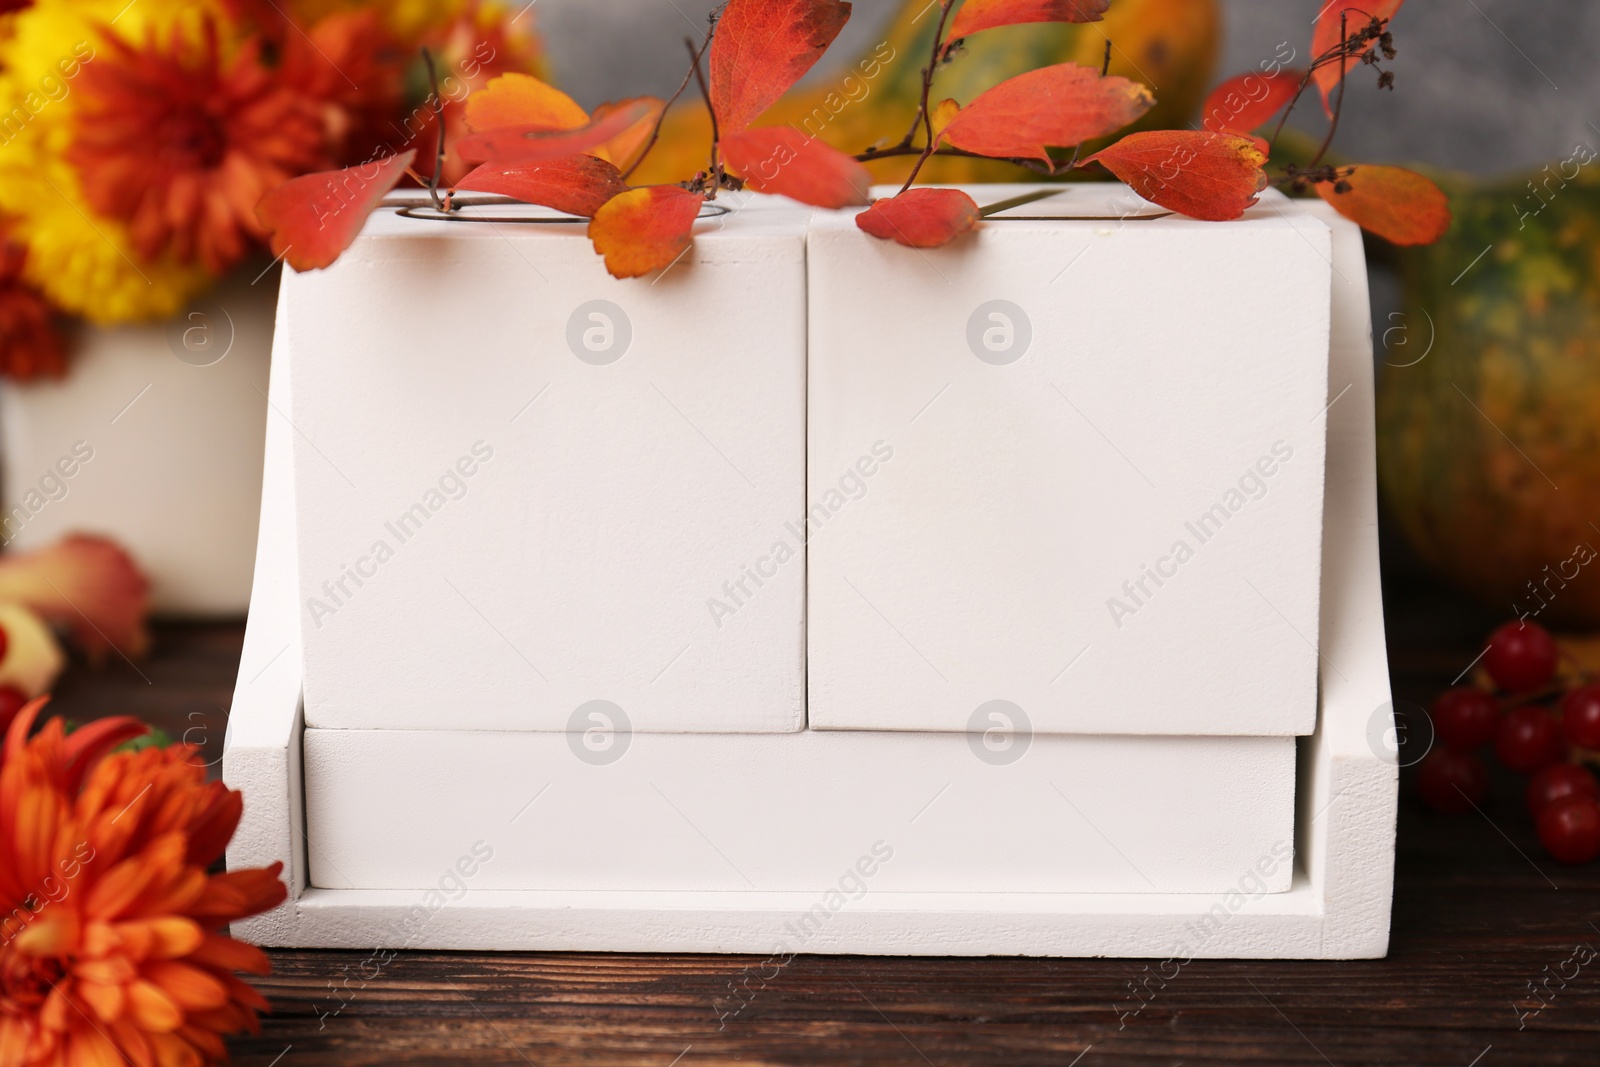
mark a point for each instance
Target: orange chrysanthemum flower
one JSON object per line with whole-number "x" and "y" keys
{"x": 111, "y": 944}
{"x": 30, "y": 347}
{"x": 350, "y": 72}
{"x": 180, "y": 142}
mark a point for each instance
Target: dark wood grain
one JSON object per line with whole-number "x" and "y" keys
{"x": 1479, "y": 914}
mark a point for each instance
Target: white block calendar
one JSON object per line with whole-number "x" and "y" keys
{"x": 914, "y": 757}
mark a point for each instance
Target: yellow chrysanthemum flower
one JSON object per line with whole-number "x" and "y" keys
{"x": 83, "y": 263}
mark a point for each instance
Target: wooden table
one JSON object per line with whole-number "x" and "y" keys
{"x": 1480, "y": 913}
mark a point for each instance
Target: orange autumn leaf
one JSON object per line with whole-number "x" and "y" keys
{"x": 1399, "y": 205}
{"x": 1353, "y": 16}
{"x": 1248, "y": 101}
{"x": 312, "y": 219}
{"x": 529, "y": 143}
{"x": 782, "y": 160}
{"x": 921, "y": 218}
{"x": 978, "y": 15}
{"x": 644, "y": 230}
{"x": 578, "y": 185}
{"x": 1060, "y": 105}
{"x": 622, "y": 148}
{"x": 88, "y": 585}
{"x": 762, "y": 47}
{"x": 1211, "y": 176}
{"x": 523, "y": 100}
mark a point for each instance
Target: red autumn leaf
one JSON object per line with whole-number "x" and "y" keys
{"x": 1248, "y": 101}
{"x": 978, "y": 15}
{"x": 762, "y": 47}
{"x": 522, "y": 100}
{"x": 1353, "y": 16}
{"x": 643, "y": 230}
{"x": 921, "y": 218}
{"x": 87, "y": 584}
{"x": 578, "y": 185}
{"x": 531, "y": 143}
{"x": 1399, "y": 205}
{"x": 781, "y": 159}
{"x": 622, "y": 148}
{"x": 1059, "y": 105}
{"x": 1212, "y": 176}
{"x": 313, "y": 218}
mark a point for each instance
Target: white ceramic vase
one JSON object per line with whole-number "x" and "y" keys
{"x": 155, "y": 439}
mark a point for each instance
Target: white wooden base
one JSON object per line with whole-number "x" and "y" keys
{"x": 1337, "y": 906}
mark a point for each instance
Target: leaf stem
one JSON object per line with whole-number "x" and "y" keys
{"x": 716, "y": 134}
{"x": 960, "y": 153}
{"x": 1344, "y": 74}
{"x": 927, "y": 88}
{"x": 438, "y": 110}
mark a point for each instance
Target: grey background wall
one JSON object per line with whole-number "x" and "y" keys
{"x": 1482, "y": 85}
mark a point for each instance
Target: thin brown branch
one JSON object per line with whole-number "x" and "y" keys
{"x": 1340, "y": 54}
{"x": 1344, "y": 76}
{"x": 927, "y": 89}
{"x": 959, "y": 153}
{"x": 655, "y": 131}
{"x": 1300, "y": 91}
{"x": 438, "y": 110}
{"x": 715, "y": 172}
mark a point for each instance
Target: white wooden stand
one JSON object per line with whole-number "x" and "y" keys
{"x": 1336, "y": 906}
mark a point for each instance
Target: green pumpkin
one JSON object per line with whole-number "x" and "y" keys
{"x": 1489, "y": 445}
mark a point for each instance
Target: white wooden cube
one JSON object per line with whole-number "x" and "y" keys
{"x": 533, "y": 497}
{"x": 1069, "y": 472}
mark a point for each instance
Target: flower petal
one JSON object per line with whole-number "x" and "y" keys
{"x": 88, "y": 584}
{"x": 152, "y": 1008}
{"x": 190, "y": 987}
